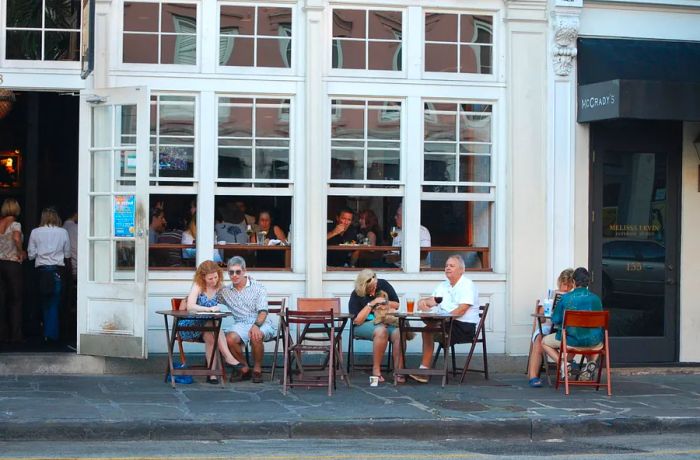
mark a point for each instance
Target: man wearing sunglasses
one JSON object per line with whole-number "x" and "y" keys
{"x": 246, "y": 299}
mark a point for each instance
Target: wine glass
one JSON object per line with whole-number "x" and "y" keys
{"x": 394, "y": 232}
{"x": 249, "y": 230}
{"x": 438, "y": 299}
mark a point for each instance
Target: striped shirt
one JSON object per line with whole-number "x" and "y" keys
{"x": 245, "y": 304}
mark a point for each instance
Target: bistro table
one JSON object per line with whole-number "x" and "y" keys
{"x": 435, "y": 322}
{"x": 212, "y": 323}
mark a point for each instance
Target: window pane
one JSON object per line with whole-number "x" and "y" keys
{"x": 448, "y": 147}
{"x": 274, "y": 52}
{"x": 476, "y": 29}
{"x": 176, "y": 161}
{"x": 475, "y": 128}
{"x": 441, "y": 27}
{"x": 439, "y": 167}
{"x": 350, "y": 54}
{"x": 269, "y": 122}
{"x": 271, "y": 163}
{"x": 62, "y": 14}
{"x": 474, "y": 168}
{"x": 384, "y": 55}
{"x": 383, "y": 164}
{"x": 62, "y": 46}
{"x": 440, "y": 58}
{"x": 385, "y": 25}
{"x": 347, "y": 164}
{"x": 140, "y": 17}
{"x": 384, "y": 124}
{"x": 176, "y": 120}
{"x": 350, "y": 124}
{"x": 475, "y": 59}
{"x": 271, "y": 20}
{"x": 23, "y": 44}
{"x": 178, "y": 18}
{"x": 235, "y": 121}
{"x": 441, "y": 127}
{"x": 140, "y": 49}
{"x": 349, "y": 23}
{"x": 235, "y": 163}
{"x": 236, "y": 51}
{"x": 23, "y": 13}
{"x": 178, "y": 49}
{"x": 237, "y": 20}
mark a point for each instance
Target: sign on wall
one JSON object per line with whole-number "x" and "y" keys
{"x": 87, "y": 33}
{"x": 124, "y": 215}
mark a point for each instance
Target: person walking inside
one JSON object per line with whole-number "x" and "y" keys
{"x": 11, "y": 257}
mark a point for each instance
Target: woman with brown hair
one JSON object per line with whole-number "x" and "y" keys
{"x": 11, "y": 257}
{"x": 208, "y": 280}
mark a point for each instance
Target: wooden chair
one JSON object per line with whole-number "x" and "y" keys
{"x": 274, "y": 307}
{"x": 308, "y": 320}
{"x": 479, "y": 337}
{"x": 177, "y": 303}
{"x": 585, "y": 319}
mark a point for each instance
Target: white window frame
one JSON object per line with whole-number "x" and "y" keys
{"x": 37, "y": 63}
{"x": 158, "y": 68}
{"x": 296, "y": 37}
{"x": 366, "y": 72}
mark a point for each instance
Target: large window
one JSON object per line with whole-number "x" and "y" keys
{"x": 43, "y": 30}
{"x": 172, "y": 232}
{"x": 366, "y": 143}
{"x": 254, "y": 143}
{"x": 367, "y": 39}
{"x": 458, "y": 43}
{"x": 160, "y": 33}
{"x": 255, "y": 36}
{"x": 172, "y": 139}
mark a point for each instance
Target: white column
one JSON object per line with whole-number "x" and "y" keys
{"x": 413, "y": 117}
{"x": 104, "y": 29}
{"x": 206, "y": 171}
{"x": 315, "y": 177}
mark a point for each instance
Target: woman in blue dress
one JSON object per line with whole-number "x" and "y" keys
{"x": 208, "y": 280}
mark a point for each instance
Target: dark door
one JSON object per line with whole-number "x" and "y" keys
{"x": 635, "y": 240}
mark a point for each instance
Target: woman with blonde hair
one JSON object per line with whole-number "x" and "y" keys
{"x": 11, "y": 257}
{"x": 364, "y": 300}
{"x": 49, "y": 247}
{"x": 208, "y": 280}
{"x": 565, "y": 283}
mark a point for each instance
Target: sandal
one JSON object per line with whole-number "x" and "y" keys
{"x": 238, "y": 374}
{"x": 399, "y": 379}
{"x": 257, "y": 377}
{"x": 213, "y": 380}
{"x": 535, "y": 382}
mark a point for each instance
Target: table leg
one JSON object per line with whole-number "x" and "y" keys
{"x": 402, "y": 346}
{"x": 215, "y": 355}
{"x": 171, "y": 343}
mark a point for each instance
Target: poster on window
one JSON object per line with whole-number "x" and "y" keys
{"x": 124, "y": 215}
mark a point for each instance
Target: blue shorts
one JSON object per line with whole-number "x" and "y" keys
{"x": 366, "y": 330}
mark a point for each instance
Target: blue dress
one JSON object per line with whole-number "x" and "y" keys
{"x": 194, "y": 336}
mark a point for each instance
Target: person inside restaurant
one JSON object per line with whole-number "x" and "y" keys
{"x": 157, "y": 225}
{"x": 341, "y": 232}
{"x": 397, "y": 240}
{"x": 457, "y": 295}
{"x": 364, "y": 303}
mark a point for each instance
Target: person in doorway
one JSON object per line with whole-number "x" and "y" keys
{"x": 70, "y": 319}
{"x": 459, "y": 296}
{"x": 49, "y": 247}
{"x": 246, "y": 298}
{"x": 157, "y": 226}
{"x": 363, "y": 303}
{"x": 208, "y": 281}
{"x": 11, "y": 257}
{"x": 341, "y": 232}
{"x": 397, "y": 240}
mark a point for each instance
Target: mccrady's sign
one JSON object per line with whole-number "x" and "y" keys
{"x": 599, "y": 101}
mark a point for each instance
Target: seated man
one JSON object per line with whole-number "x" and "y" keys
{"x": 579, "y": 299}
{"x": 458, "y": 295}
{"x": 425, "y": 242}
{"x": 157, "y": 225}
{"x": 246, "y": 299}
{"x": 341, "y": 232}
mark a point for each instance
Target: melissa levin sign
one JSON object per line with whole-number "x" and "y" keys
{"x": 599, "y": 101}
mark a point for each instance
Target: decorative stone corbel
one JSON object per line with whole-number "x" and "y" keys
{"x": 565, "y": 35}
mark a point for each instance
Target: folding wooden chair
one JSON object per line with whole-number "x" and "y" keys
{"x": 177, "y": 303}
{"x": 307, "y": 320}
{"x": 274, "y": 307}
{"x": 585, "y": 319}
{"x": 479, "y": 337}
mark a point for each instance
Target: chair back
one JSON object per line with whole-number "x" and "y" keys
{"x": 323, "y": 317}
{"x": 480, "y": 333}
{"x": 276, "y": 306}
{"x": 178, "y": 303}
{"x": 588, "y": 319}
{"x": 319, "y": 304}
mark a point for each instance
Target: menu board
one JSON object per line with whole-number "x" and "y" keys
{"x": 124, "y": 215}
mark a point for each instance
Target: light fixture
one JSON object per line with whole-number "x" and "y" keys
{"x": 696, "y": 144}
{"x": 7, "y": 100}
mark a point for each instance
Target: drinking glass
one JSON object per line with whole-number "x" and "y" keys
{"x": 261, "y": 238}
{"x": 410, "y": 303}
{"x": 394, "y": 232}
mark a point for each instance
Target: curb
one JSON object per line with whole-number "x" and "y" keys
{"x": 162, "y": 430}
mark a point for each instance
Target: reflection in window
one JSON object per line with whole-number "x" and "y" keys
{"x": 160, "y": 33}
{"x": 43, "y": 30}
{"x": 458, "y": 43}
{"x": 365, "y": 142}
{"x": 252, "y": 36}
{"x": 457, "y": 147}
{"x": 254, "y": 144}
{"x": 172, "y": 136}
{"x": 367, "y": 39}
{"x": 172, "y": 232}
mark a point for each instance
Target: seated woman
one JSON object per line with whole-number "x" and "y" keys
{"x": 189, "y": 236}
{"x": 364, "y": 300}
{"x": 369, "y": 234}
{"x": 271, "y": 230}
{"x": 565, "y": 283}
{"x": 208, "y": 280}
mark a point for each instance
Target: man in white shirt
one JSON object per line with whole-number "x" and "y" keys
{"x": 458, "y": 295}
{"x": 425, "y": 241}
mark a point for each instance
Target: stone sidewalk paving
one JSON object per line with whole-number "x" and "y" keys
{"x": 143, "y": 407}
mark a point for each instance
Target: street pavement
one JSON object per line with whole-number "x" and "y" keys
{"x": 143, "y": 407}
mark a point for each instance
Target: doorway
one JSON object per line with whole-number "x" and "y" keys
{"x": 42, "y": 129}
{"x": 635, "y": 240}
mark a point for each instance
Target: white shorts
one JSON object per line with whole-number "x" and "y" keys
{"x": 243, "y": 330}
{"x": 546, "y": 330}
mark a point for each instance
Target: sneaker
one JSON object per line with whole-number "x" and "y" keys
{"x": 571, "y": 369}
{"x": 589, "y": 371}
{"x": 420, "y": 378}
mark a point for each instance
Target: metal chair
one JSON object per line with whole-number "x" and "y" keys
{"x": 351, "y": 353}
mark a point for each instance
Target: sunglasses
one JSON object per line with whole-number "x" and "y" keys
{"x": 235, "y": 272}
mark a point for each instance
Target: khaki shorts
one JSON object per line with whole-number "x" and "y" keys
{"x": 551, "y": 341}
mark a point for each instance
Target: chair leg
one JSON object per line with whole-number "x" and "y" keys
{"x": 558, "y": 375}
{"x": 389, "y": 361}
{"x": 565, "y": 358}
{"x": 467, "y": 363}
{"x": 182, "y": 352}
{"x": 454, "y": 362}
{"x": 486, "y": 360}
{"x": 351, "y": 355}
{"x": 274, "y": 357}
{"x": 437, "y": 355}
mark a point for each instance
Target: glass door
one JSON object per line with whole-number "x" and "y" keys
{"x": 635, "y": 240}
{"x": 112, "y": 267}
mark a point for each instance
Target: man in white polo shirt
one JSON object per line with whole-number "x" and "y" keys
{"x": 458, "y": 295}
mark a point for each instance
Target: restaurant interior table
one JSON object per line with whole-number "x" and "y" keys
{"x": 211, "y": 323}
{"x": 435, "y": 322}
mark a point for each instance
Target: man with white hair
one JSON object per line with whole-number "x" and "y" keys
{"x": 457, "y": 295}
{"x": 246, "y": 299}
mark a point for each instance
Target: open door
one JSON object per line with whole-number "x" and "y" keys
{"x": 113, "y": 197}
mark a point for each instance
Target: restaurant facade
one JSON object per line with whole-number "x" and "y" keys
{"x": 462, "y": 119}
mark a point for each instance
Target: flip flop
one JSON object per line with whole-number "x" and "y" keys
{"x": 400, "y": 379}
{"x": 535, "y": 382}
{"x": 213, "y": 380}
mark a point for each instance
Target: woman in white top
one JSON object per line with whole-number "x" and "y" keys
{"x": 11, "y": 257}
{"x": 49, "y": 247}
